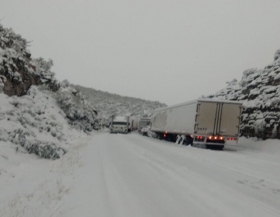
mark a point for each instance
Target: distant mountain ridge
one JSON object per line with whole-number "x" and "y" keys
{"x": 108, "y": 104}
{"x": 259, "y": 89}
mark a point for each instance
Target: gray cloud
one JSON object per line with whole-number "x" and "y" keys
{"x": 171, "y": 51}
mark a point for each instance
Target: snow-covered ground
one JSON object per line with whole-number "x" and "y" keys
{"x": 32, "y": 186}
{"x": 131, "y": 175}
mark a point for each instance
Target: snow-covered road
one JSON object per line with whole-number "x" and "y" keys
{"x": 131, "y": 175}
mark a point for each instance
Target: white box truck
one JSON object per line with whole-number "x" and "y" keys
{"x": 203, "y": 121}
{"x": 119, "y": 124}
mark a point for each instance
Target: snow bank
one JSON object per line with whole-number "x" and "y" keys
{"x": 33, "y": 186}
{"x": 251, "y": 146}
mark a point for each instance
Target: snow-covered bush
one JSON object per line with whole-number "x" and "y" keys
{"x": 249, "y": 75}
{"x": 78, "y": 110}
{"x": 35, "y": 122}
{"x": 43, "y": 71}
{"x": 2, "y": 82}
{"x": 18, "y": 68}
{"x": 260, "y": 92}
{"x": 277, "y": 55}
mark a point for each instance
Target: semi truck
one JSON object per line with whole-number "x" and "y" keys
{"x": 213, "y": 123}
{"x": 119, "y": 124}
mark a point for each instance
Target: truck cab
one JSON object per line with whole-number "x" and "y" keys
{"x": 119, "y": 124}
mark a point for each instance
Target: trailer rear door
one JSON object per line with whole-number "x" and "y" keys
{"x": 206, "y": 118}
{"x": 229, "y": 119}
{"x": 218, "y": 118}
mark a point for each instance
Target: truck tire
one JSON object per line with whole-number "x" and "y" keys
{"x": 188, "y": 141}
{"x": 160, "y": 136}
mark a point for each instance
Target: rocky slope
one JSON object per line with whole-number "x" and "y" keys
{"x": 259, "y": 89}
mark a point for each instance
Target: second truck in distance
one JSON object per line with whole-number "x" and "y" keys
{"x": 119, "y": 124}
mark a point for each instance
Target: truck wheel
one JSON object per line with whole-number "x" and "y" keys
{"x": 160, "y": 136}
{"x": 189, "y": 140}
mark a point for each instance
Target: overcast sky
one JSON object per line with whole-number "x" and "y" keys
{"x": 165, "y": 50}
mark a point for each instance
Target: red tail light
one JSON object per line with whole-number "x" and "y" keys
{"x": 231, "y": 139}
{"x": 164, "y": 135}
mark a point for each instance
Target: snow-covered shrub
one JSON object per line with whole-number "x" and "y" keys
{"x": 78, "y": 110}
{"x": 43, "y": 71}
{"x": 19, "y": 69}
{"x": 43, "y": 149}
{"x": 35, "y": 122}
{"x": 259, "y": 128}
{"x": 277, "y": 55}
{"x": 259, "y": 89}
{"x": 249, "y": 79}
{"x": 2, "y": 83}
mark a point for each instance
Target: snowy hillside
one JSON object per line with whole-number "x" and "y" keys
{"x": 112, "y": 104}
{"x": 34, "y": 123}
{"x": 29, "y": 117}
{"x": 259, "y": 89}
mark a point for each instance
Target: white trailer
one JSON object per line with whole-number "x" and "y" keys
{"x": 203, "y": 121}
{"x": 119, "y": 124}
